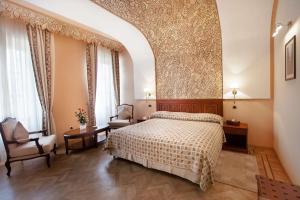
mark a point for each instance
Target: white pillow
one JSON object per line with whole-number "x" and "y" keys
{"x": 20, "y": 133}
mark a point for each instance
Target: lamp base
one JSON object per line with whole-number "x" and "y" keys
{"x": 233, "y": 122}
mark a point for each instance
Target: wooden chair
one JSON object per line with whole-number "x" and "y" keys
{"x": 25, "y": 149}
{"x": 123, "y": 118}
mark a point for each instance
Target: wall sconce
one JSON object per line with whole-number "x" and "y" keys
{"x": 279, "y": 26}
{"x": 147, "y": 93}
{"x": 234, "y": 92}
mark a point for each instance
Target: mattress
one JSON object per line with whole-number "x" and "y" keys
{"x": 187, "y": 145}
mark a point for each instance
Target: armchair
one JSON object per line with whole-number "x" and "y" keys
{"x": 27, "y": 147}
{"x": 123, "y": 118}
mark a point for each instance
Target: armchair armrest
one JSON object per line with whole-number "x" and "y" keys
{"x": 12, "y": 142}
{"x": 21, "y": 141}
{"x": 130, "y": 119}
{"x": 40, "y": 148}
{"x": 44, "y": 132}
{"x": 110, "y": 118}
{"x": 36, "y": 140}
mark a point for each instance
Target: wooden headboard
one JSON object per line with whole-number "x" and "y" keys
{"x": 214, "y": 106}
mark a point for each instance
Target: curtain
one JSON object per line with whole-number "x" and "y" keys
{"x": 116, "y": 75}
{"x": 105, "y": 93}
{"x": 40, "y": 46}
{"x": 18, "y": 93}
{"x": 91, "y": 61}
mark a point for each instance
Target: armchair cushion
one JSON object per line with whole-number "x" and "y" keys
{"x": 30, "y": 148}
{"x": 20, "y": 134}
{"x": 124, "y": 112}
{"x": 119, "y": 123}
{"x": 8, "y": 128}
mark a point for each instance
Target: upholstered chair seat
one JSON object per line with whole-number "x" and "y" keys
{"x": 118, "y": 123}
{"x": 30, "y": 148}
{"x": 23, "y": 145}
{"x": 123, "y": 118}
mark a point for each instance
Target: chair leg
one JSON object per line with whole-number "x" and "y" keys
{"x": 48, "y": 160}
{"x": 8, "y": 167}
{"x": 54, "y": 149}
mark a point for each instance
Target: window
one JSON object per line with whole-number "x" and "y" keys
{"x": 18, "y": 93}
{"x": 105, "y": 95}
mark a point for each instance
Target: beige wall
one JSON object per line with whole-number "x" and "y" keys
{"x": 246, "y": 47}
{"x": 126, "y": 78}
{"x": 258, "y": 115}
{"x": 142, "y": 108}
{"x": 249, "y": 57}
{"x": 287, "y": 93}
{"x": 70, "y": 90}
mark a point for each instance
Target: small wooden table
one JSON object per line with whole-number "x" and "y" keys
{"x": 88, "y": 132}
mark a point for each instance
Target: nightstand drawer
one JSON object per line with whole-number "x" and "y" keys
{"x": 236, "y": 131}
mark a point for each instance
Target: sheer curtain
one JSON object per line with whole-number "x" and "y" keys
{"x": 105, "y": 94}
{"x": 18, "y": 93}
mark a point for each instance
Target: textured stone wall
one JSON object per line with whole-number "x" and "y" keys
{"x": 185, "y": 37}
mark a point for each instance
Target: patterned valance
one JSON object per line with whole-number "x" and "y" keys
{"x": 15, "y": 11}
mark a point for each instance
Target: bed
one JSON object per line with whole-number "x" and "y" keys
{"x": 184, "y": 144}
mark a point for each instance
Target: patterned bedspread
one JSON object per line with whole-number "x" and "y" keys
{"x": 184, "y": 144}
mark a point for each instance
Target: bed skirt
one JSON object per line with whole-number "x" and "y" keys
{"x": 186, "y": 174}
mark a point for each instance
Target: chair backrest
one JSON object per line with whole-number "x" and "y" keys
{"x": 7, "y": 128}
{"x": 125, "y": 111}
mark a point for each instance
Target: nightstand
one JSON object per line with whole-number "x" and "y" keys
{"x": 236, "y": 137}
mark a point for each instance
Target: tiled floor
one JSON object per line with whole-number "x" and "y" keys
{"x": 269, "y": 164}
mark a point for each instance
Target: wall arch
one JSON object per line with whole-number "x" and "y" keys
{"x": 186, "y": 41}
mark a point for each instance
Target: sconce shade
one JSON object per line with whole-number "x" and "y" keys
{"x": 234, "y": 92}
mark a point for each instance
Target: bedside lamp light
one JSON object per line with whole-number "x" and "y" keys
{"x": 147, "y": 93}
{"x": 234, "y": 92}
